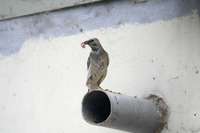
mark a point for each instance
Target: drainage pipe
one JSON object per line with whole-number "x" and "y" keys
{"x": 114, "y": 110}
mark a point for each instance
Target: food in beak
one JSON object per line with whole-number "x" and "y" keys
{"x": 83, "y": 45}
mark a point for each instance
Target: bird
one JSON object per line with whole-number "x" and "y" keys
{"x": 97, "y": 64}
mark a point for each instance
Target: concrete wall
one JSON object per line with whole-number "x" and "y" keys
{"x": 42, "y": 79}
{"x": 16, "y": 8}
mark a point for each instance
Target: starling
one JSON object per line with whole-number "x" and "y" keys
{"x": 97, "y": 64}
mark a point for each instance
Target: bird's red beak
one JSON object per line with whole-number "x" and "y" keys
{"x": 83, "y": 44}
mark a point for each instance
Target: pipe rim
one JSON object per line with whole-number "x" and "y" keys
{"x": 103, "y": 105}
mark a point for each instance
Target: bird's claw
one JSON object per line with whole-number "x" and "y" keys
{"x": 100, "y": 88}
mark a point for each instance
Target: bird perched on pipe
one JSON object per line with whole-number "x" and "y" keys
{"x": 97, "y": 64}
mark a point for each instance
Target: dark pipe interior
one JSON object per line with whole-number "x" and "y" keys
{"x": 96, "y": 107}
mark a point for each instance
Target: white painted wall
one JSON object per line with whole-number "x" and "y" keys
{"x": 41, "y": 86}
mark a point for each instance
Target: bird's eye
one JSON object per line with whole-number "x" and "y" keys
{"x": 92, "y": 40}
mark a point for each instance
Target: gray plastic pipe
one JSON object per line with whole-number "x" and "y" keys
{"x": 112, "y": 110}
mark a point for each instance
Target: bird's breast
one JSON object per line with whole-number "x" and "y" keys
{"x": 98, "y": 61}
{"x": 99, "y": 65}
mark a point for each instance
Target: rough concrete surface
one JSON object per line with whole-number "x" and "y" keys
{"x": 153, "y": 46}
{"x": 42, "y": 85}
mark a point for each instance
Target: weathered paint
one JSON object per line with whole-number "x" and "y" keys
{"x": 72, "y": 21}
{"x": 153, "y": 46}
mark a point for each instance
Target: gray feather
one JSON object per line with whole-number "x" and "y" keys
{"x": 88, "y": 62}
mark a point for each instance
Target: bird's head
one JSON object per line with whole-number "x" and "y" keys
{"x": 93, "y": 43}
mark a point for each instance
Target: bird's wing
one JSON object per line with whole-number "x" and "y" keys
{"x": 108, "y": 61}
{"x": 88, "y": 62}
{"x": 107, "y": 58}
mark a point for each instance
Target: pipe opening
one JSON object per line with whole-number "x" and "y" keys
{"x": 96, "y": 107}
